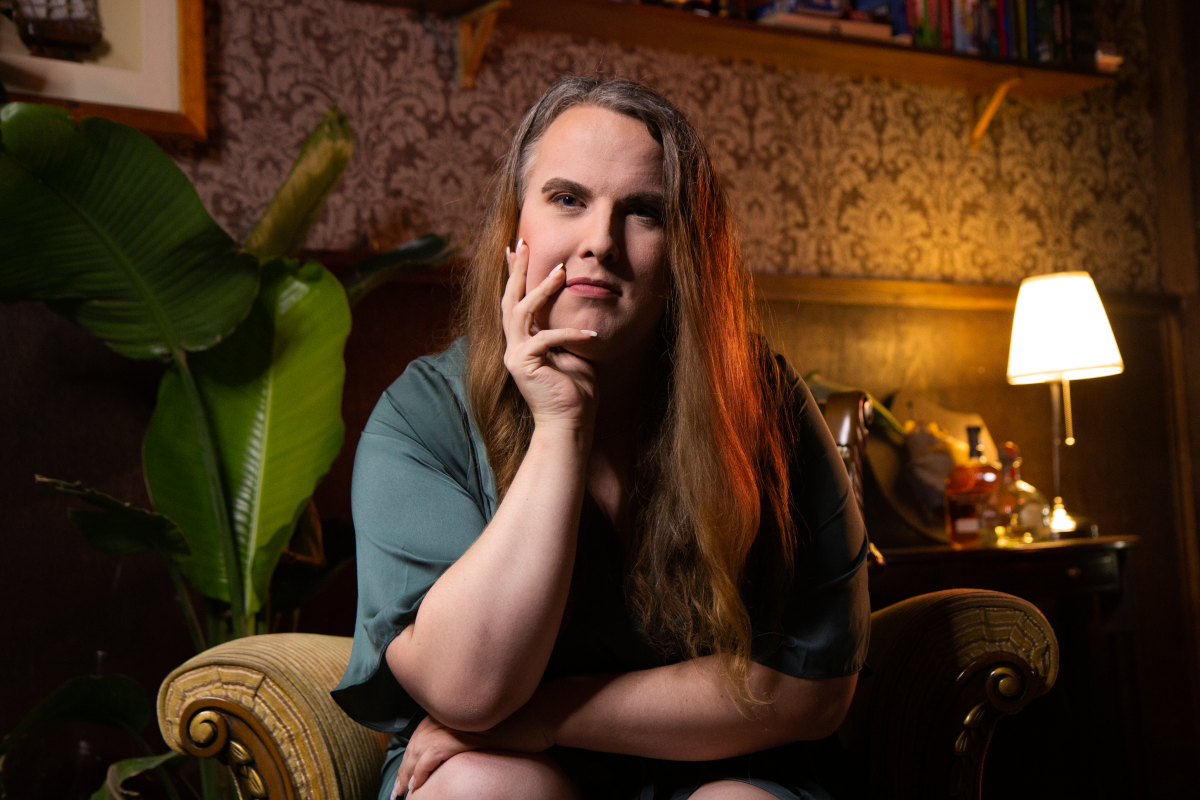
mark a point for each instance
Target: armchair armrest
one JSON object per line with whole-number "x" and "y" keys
{"x": 946, "y": 667}
{"x": 262, "y": 706}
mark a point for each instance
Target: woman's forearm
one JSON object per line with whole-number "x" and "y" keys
{"x": 483, "y": 635}
{"x": 683, "y": 712}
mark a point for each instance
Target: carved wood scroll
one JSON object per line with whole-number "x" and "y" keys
{"x": 214, "y": 728}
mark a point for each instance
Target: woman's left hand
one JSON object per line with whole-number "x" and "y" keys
{"x": 433, "y": 744}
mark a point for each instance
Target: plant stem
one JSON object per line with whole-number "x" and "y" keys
{"x": 214, "y": 623}
{"x": 216, "y": 492}
{"x": 210, "y": 779}
{"x": 189, "y": 611}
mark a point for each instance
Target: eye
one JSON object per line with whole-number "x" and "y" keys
{"x": 646, "y": 213}
{"x": 566, "y": 200}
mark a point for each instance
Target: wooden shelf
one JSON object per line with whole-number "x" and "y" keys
{"x": 667, "y": 29}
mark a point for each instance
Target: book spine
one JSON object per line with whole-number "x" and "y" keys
{"x": 1060, "y": 44}
{"x": 1002, "y": 29}
{"x": 958, "y": 23}
{"x": 1083, "y": 34}
{"x": 1014, "y": 46}
{"x": 900, "y": 18}
{"x": 775, "y": 7}
{"x": 1019, "y": 29}
{"x": 976, "y": 43}
{"x": 1042, "y": 35}
{"x": 996, "y": 15}
{"x": 1030, "y": 29}
{"x": 946, "y": 26}
{"x": 923, "y": 21}
{"x": 1068, "y": 34}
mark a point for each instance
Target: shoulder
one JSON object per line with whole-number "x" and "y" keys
{"x": 427, "y": 409}
{"x": 786, "y": 390}
{"x": 428, "y": 398}
{"x": 431, "y": 381}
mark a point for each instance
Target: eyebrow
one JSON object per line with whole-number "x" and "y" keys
{"x": 637, "y": 198}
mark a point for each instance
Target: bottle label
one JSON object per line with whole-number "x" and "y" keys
{"x": 966, "y": 525}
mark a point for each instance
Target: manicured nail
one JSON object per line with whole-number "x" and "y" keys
{"x": 410, "y": 780}
{"x": 589, "y": 333}
{"x": 555, "y": 270}
{"x": 519, "y": 243}
{"x": 507, "y": 252}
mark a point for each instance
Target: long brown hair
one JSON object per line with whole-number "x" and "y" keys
{"x": 715, "y": 464}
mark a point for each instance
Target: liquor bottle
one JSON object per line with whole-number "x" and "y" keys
{"x": 968, "y": 488}
{"x": 1017, "y": 513}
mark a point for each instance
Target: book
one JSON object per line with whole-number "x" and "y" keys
{"x": 892, "y": 11}
{"x": 1068, "y": 47}
{"x": 835, "y": 26}
{"x": 960, "y": 26}
{"x": 1083, "y": 34}
{"x": 828, "y": 8}
{"x": 1002, "y": 28}
{"x": 1060, "y": 44}
{"x": 922, "y": 22}
{"x": 946, "y": 25}
{"x": 989, "y": 27}
{"x": 1022, "y": 31}
{"x": 898, "y": 10}
{"x": 1041, "y": 34}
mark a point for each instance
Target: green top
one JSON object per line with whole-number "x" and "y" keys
{"x": 423, "y": 491}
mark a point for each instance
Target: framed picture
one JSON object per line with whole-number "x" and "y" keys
{"x": 147, "y": 71}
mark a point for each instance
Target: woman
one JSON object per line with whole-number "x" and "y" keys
{"x": 605, "y": 544}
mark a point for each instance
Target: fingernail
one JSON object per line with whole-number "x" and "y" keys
{"x": 519, "y": 243}
{"x": 589, "y": 333}
{"x": 507, "y": 252}
{"x": 410, "y": 780}
{"x": 556, "y": 269}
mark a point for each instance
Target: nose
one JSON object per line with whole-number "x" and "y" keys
{"x": 602, "y": 239}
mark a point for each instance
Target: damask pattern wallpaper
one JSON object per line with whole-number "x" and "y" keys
{"x": 829, "y": 175}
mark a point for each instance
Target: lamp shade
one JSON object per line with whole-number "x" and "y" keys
{"x": 1060, "y": 331}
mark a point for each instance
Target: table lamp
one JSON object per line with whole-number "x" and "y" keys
{"x": 1061, "y": 334}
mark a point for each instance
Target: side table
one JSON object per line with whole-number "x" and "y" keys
{"x": 1083, "y": 738}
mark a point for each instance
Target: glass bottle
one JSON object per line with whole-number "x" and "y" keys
{"x": 968, "y": 488}
{"x": 1017, "y": 513}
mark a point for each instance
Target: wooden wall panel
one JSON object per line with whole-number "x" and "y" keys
{"x": 1130, "y": 469}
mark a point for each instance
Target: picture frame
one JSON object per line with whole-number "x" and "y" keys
{"x": 158, "y": 86}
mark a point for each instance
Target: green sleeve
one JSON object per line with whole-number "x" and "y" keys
{"x": 421, "y": 495}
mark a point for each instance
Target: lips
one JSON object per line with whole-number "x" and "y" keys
{"x": 589, "y": 287}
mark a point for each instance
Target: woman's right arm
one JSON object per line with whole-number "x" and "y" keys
{"x": 484, "y": 632}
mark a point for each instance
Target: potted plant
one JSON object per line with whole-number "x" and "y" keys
{"x": 104, "y": 228}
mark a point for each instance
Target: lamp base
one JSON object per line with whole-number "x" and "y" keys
{"x": 1064, "y": 525}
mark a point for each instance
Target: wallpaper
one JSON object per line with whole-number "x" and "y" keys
{"x": 829, "y": 175}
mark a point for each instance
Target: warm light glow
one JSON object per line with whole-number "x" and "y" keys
{"x": 1060, "y": 520}
{"x": 1060, "y": 331}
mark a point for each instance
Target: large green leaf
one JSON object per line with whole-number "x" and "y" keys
{"x": 120, "y": 528}
{"x": 285, "y": 223}
{"x": 274, "y": 393}
{"x": 99, "y": 222}
{"x": 115, "y": 700}
{"x": 121, "y": 771}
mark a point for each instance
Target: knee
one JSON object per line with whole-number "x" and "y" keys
{"x": 473, "y": 775}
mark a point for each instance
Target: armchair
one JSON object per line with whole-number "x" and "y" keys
{"x": 945, "y": 668}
